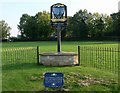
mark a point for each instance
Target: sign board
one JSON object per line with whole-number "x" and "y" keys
{"x": 53, "y": 80}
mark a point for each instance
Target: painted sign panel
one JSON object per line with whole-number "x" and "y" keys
{"x": 53, "y": 80}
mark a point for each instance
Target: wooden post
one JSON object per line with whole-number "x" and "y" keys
{"x": 38, "y": 55}
{"x": 78, "y": 55}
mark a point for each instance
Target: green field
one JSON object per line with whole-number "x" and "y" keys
{"x": 36, "y": 43}
{"x": 66, "y": 46}
{"x": 29, "y": 77}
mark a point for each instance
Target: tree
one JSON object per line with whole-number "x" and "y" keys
{"x": 22, "y": 24}
{"x": 107, "y": 25}
{"x": 96, "y": 24}
{"x": 44, "y": 29}
{"x": 4, "y": 30}
{"x": 79, "y": 22}
{"x": 116, "y": 24}
{"x": 35, "y": 27}
{"x": 85, "y": 24}
{"x": 82, "y": 25}
{"x": 31, "y": 28}
{"x": 67, "y": 32}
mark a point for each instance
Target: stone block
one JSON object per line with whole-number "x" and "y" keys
{"x": 55, "y": 59}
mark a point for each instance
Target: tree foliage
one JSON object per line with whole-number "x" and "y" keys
{"x": 81, "y": 25}
{"x": 4, "y": 30}
{"x": 23, "y": 24}
{"x": 116, "y": 24}
{"x": 35, "y": 27}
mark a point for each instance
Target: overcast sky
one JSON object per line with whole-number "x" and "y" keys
{"x": 12, "y": 10}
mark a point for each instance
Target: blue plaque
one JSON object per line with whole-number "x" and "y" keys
{"x": 53, "y": 80}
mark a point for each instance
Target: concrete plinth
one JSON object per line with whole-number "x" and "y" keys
{"x": 59, "y": 59}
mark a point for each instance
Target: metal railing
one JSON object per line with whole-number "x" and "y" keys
{"x": 19, "y": 55}
{"x": 96, "y": 57}
{"x": 99, "y": 57}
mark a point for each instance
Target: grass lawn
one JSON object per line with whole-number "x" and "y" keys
{"x": 29, "y": 77}
{"x": 49, "y": 46}
{"x": 54, "y": 43}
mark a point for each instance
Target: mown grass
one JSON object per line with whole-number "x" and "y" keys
{"x": 17, "y": 77}
{"x": 52, "y": 44}
{"x": 49, "y": 46}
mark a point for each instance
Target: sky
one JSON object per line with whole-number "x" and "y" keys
{"x": 12, "y": 10}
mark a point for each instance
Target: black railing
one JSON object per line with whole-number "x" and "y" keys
{"x": 96, "y": 57}
{"x": 99, "y": 57}
{"x": 19, "y": 55}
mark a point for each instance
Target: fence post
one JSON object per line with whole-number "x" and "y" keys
{"x": 78, "y": 55}
{"x": 38, "y": 55}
